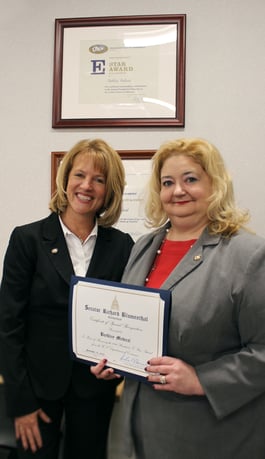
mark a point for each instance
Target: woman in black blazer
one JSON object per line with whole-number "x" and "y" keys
{"x": 42, "y": 382}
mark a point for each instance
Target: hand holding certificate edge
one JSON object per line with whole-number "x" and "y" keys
{"x": 163, "y": 373}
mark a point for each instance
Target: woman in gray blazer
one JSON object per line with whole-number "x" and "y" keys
{"x": 41, "y": 380}
{"x": 206, "y": 398}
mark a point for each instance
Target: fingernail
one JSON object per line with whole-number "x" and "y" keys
{"x": 104, "y": 360}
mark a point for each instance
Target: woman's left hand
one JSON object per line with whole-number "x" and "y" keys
{"x": 171, "y": 374}
{"x": 101, "y": 372}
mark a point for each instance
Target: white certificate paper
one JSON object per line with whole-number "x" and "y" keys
{"x": 123, "y": 323}
{"x": 133, "y": 76}
{"x": 132, "y": 218}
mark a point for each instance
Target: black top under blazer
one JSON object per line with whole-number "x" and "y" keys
{"x": 34, "y": 312}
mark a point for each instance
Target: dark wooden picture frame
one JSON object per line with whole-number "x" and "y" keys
{"x": 153, "y": 93}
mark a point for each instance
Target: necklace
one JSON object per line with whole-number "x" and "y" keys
{"x": 167, "y": 257}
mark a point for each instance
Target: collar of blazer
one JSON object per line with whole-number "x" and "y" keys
{"x": 192, "y": 259}
{"x": 56, "y": 248}
{"x": 143, "y": 255}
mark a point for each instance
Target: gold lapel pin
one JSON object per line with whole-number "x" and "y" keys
{"x": 55, "y": 250}
{"x": 197, "y": 257}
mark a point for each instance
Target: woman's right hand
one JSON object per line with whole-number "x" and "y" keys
{"x": 27, "y": 429}
{"x": 101, "y": 372}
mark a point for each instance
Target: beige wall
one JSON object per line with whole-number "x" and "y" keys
{"x": 225, "y": 96}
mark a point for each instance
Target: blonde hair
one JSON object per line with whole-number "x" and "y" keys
{"x": 223, "y": 215}
{"x": 109, "y": 163}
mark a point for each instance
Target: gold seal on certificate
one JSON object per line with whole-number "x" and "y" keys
{"x": 123, "y": 323}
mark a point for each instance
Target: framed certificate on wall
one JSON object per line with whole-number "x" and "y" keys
{"x": 119, "y": 71}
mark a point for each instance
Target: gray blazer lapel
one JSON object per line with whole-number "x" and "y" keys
{"x": 192, "y": 260}
{"x": 142, "y": 257}
{"x": 144, "y": 251}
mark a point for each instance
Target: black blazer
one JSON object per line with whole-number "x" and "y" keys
{"x": 34, "y": 312}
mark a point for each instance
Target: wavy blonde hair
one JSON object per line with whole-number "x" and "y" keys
{"x": 223, "y": 214}
{"x": 109, "y": 163}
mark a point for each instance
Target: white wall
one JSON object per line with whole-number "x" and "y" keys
{"x": 225, "y": 96}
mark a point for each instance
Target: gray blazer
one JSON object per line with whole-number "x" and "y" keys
{"x": 217, "y": 325}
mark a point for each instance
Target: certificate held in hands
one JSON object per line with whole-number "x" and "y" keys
{"x": 125, "y": 324}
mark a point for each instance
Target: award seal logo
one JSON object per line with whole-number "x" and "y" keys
{"x": 98, "y": 49}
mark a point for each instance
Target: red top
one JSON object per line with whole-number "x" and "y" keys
{"x": 171, "y": 252}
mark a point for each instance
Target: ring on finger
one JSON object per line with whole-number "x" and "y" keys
{"x": 163, "y": 379}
